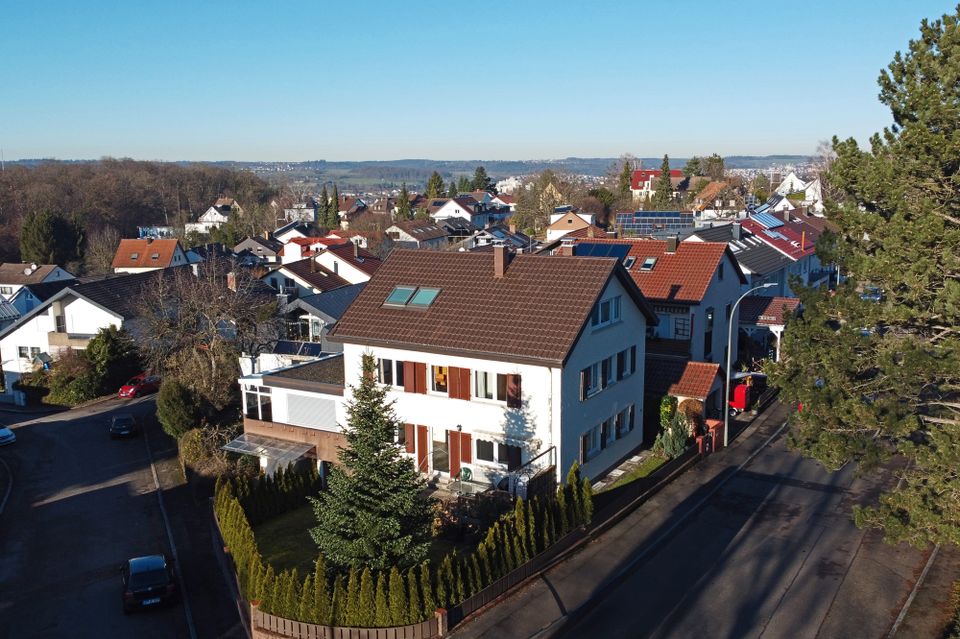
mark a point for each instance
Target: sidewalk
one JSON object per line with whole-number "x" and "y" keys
{"x": 538, "y": 607}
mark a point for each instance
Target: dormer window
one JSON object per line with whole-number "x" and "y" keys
{"x": 134, "y": 256}
{"x": 155, "y": 256}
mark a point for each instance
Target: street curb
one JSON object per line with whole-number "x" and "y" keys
{"x": 6, "y": 494}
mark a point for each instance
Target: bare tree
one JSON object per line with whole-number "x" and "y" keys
{"x": 101, "y": 248}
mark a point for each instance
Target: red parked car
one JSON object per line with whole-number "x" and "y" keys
{"x": 140, "y": 385}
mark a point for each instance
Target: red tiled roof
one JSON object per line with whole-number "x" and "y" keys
{"x": 535, "y": 312}
{"x": 145, "y": 253}
{"x": 682, "y": 276}
{"x": 767, "y": 311}
{"x": 795, "y": 239}
{"x": 708, "y": 194}
{"x": 678, "y": 377}
{"x": 316, "y": 275}
{"x": 357, "y": 256}
{"x": 642, "y": 175}
{"x": 506, "y": 199}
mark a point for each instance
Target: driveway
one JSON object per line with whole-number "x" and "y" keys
{"x": 81, "y": 504}
{"x": 754, "y": 541}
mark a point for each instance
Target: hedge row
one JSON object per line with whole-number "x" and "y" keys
{"x": 264, "y": 497}
{"x": 366, "y": 598}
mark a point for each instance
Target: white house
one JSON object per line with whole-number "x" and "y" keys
{"x": 303, "y": 277}
{"x": 812, "y": 191}
{"x": 489, "y": 377}
{"x": 349, "y": 261}
{"x": 215, "y": 216}
{"x": 14, "y": 276}
{"x": 418, "y": 234}
{"x": 465, "y": 207}
{"x": 567, "y": 222}
{"x": 643, "y": 182}
{"x": 140, "y": 256}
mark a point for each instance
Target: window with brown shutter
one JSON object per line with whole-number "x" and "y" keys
{"x": 453, "y": 382}
{"x": 420, "y": 377}
{"x": 464, "y": 383}
{"x": 466, "y": 448}
{"x": 410, "y": 444}
{"x": 409, "y": 377}
{"x": 514, "y": 396}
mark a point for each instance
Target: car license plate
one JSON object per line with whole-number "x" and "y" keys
{"x": 148, "y": 602}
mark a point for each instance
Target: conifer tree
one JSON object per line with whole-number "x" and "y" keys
{"x": 415, "y": 610}
{"x": 549, "y": 527}
{"x": 366, "y": 605}
{"x": 306, "y": 609}
{"x": 426, "y": 591}
{"x": 268, "y": 590}
{"x": 452, "y": 190}
{"x": 351, "y": 616}
{"x": 586, "y": 501}
{"x": 291, "y": 594}
{"x": 399, "y": 602}
{"x": 339, "y": 602}
{"x": 373, "y": 512}
{"x": 382, "y": 616}
{"x": 663, "y": 188}
{"x": 483, "y": 556}
{"x": 333, "y": 212}
{"x": 531, "y": 528}
{"x": 322, "y": 605}
{"x": 481, "y": 182}
{"x": 464, "y": 184}
{"x": 520, "y": 528}
{"x": 560, "y": 513}
{"x": 572, "y": 493}
{"x": 404, "y": 210}
{"x": 459, "y": 579}
{"x": 476, "y": 575}
{"x": 323, "y": 211}
{"x": 625, "y": 178}
{"x": 434, "y": 186}
{"x": 443, "y": 581}
{"x": 894, "y": 388}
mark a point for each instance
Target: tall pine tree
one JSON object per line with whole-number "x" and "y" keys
{"x": 882, "y": 378}
{"x": 373, "y": 513}
{"x": 404, "y": 210}
{"x": 452, "y": 189}
{"x": 663, "y": 188}
{"x": 333, "y": 211}
{"x": 435, "y": 186}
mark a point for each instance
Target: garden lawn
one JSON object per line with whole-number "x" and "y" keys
{"x": 285, "y": 541}
{"x": 646, "y": 467}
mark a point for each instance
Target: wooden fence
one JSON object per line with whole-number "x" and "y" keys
{"x": 266, "y": 626}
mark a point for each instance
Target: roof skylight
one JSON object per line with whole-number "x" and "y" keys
{"x": 400, "y": 295}
{"x": 424, "y": 297}
{"x": 648, "y": 264}
{"x": 412, "y": 296}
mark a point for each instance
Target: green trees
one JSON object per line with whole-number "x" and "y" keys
{"x": 481, "y": 181}
{"x": 624, "y": 178}
{"x": 332, "y": 220}
{"x": 713, "y": 167}
{"x": 435, "y": 186}
{"x": 663, "y": 188}
{"x": 323, "y": 208}
{"x": 464, "y": 184}
{"x": 404, "y": 210}
{"x": 694, "y": 166}
{"x": 113, "y": 356}
{"x": 893, "y": 389}
{"x": 177, "y": 410}
{"x": 50, "y": 238}
{"x": 373, "y": 513}
{"x": 452, "y": 189}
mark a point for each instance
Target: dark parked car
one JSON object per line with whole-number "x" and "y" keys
{"x": 148, "y": 582}
{"x": 123, "y": 425}
{"x": 140, "y": 385}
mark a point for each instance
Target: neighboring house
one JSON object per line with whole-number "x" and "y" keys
{"x": 655, "y": 223}
{"x": 156, "y": 232}
{"x": 300, "y": 247}
{"x": 292, "y": 230}
{"x": 512, "y": 367}
{"x": 505, "y": 200}
{"x": 265, "y": 249}
{"x": 301, "y": 212}
{"x": 764, "y": 319}
{"x": 509, "y": 186}
{"x": 214, "y": 217}
{"x": 16, "y": 275}
{"x": 760, "y": 262}
{"x": 68, "y": 320}
{"x": 311, "y": 317}
{"x": 349, "y": 261}
{"x": 465, "y": 207}
{"x": 795, "y": 237}
{"x": 458, "y": 229}
{"x": 812, "y": 191}
{"x": 350, "y": 207}
{"x": 503, "y": 235}
{"x": 32, "y": 295}
{"x": 139, "y": 256}
{"x": 563, "y": 223}
{"x": 692, "y": 286}
{"x": 301, "y": 278}
{"x": 716, "y": 200}
{"x": 643, "y": 182}
{"x": 418, "y": 234}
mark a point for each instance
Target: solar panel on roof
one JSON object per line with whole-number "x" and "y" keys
{"x": 768, "y": 220}
{"x": 594, "y": 249}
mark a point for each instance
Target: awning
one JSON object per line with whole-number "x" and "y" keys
{"x": 281, "y": 450}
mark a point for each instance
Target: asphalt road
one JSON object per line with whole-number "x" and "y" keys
{"x": 772, "y": 553}
{"x": 81, "y": 504}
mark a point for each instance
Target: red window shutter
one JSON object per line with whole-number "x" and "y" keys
{"x": 420, "y": 377}
{"x": 408, "y": 437}
{"x": 453, "y": 382}
{"x": 465, "y": 383}
{"x": 453, "y": 447}
{"x": 409, "y": 378}
{"x": 466, "y": 448}
{"x": 513, "y": 392}
{"x": 422, "y": 464}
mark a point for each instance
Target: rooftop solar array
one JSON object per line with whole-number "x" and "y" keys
{"x": 588, "y": 249}
{"x": 649, "y": 222}
{"x": 769, "y": 220}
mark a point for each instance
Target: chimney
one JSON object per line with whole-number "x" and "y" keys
{"x": 672, "y": 242}
{"x": 356, "y": 249}
{"x": 590, "y": 232}
{"x": 232, "y": 281}
{"x": 803, "y": 241}
{"x": 501, "y": 259}
{"x": 566, "y": 246}
{"x": 513, "y": 229}
{"x": 266, "y": 235}
{"x": 735, "y": 230}
{"x": 786, "y": 216}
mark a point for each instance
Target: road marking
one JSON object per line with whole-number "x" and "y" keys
{"x": 173, "y": 546}
{"x": 6, "y": 495}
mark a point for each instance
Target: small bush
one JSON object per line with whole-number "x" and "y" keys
{"x": 176, "y": 408}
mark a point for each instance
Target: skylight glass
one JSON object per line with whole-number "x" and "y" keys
{"x": 400, "y": 295}
{"x": 424, "y": 297}
{"x": 648, "y": 264}
{"x": 628, "y": 261}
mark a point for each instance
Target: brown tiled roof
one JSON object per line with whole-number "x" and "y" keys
{"x": 678, "y": 377}
{"x": 767, "y": 311}
{"x": 316, "y": 275}
{"x": 14, "y": 273}
{"x": 708, "y": 194}
{"x": 359, "y": 257}
{"x": 327, "y": 371}
{"x": 422, "y": 230}
{"x": 140, "y": 253}
{"x": 534, "y": 313}
{"x": 682, "y": 276}
{"x": 225, "y": 201}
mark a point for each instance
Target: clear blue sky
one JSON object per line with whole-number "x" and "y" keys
{"x": 366, "y": 79}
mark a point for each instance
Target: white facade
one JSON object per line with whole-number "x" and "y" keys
{"x": 454, "y": 209}
{"x": 342, "y": 267}
{"x": 551, "y": 412}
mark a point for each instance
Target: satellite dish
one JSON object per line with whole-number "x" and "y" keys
{"x": 27, "y": 271}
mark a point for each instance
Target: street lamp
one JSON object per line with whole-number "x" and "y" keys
{"x": 726, "y": 396}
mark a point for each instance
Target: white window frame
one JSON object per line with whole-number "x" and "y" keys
{"x": 610, "y": 307}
